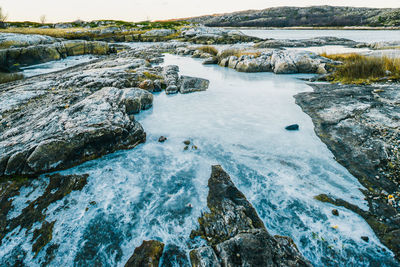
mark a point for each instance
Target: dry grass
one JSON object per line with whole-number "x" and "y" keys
{"x": 360, "y": 69}
{"x": 237, "y": 53}
{"x": 209, "y": 49}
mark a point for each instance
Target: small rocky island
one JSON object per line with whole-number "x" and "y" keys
{"x": 59, "y": 120}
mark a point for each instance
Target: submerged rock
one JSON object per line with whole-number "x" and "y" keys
{"x": 147, "y": 255}
{"x": 235, "y": 234}
{"x": 293, "y": 127}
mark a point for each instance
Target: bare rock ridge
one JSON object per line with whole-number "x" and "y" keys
{"x": 313, "y": 16}
{"x": 235, "y": 234}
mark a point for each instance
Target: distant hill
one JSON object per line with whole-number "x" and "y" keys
{"x": 315, "y": 16}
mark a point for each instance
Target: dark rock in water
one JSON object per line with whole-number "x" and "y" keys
{"x": 186, "y": 148}
{"x": 162, "y": 139}
{"x": 193, "y": 84}
{"x": 294, "y": 127}
{"x": 186, "y": 142}
{"x": 147, "y": 255}
{"x": 335, "y": 212}
{"x": 174, "y": 255}
{"x": 236, "y": 236}
{"x": 365, "y": 238}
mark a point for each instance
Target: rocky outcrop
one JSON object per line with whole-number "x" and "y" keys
{"x": 207, "y": 35}
{"x": 146, "y": 255}
{"x": 192, "y": 84}
{"x": 58, "y": 137}
{"x": 60, "y": 120}
{"x": 13, "y": 40}
{"x": 318, "y": 41}
{"x": 159, "y": 32}
{"x": 12, "y": 58}
{"x": 183, "y": 84}
{"x": 248, "y": 59}
{"x": 235, "y": 234}
{"x": 171, "y": 77}
{"x": 360, "y": 125}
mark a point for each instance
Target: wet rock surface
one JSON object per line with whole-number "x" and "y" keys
{"x": 360, "y": 125}
{"x": 34, "y": 214}
{"x": 235, "y": 234}
{"x": 146, "y": 255}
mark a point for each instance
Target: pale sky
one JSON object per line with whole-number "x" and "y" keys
{"x": 137, "y": 10}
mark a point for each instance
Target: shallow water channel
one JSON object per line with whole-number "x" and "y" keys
{"x": 158, "y": 190}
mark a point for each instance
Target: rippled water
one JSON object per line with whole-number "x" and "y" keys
{"x": 147, "y": 193}
{"x": 356, "y": 35}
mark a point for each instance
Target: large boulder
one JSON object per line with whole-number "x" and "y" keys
{"x": 58, "y": 136}
{"x": 235, "y": 234}
{"x": 193, "y": 84}
{"x": 146, "y": 255}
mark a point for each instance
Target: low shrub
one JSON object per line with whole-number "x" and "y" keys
{"x": 360, "y": 69}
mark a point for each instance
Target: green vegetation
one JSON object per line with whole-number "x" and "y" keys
{"x": 358, "y": 69}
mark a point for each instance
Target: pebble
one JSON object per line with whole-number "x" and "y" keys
{"x": 335, "y": 212}
{"x": 187, "y": 142}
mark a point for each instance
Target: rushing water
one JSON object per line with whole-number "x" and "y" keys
{"x": 368, "y": 36}
{"x": 158, "y": 190}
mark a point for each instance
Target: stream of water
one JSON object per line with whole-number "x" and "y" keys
{"x": 158, "y": 190}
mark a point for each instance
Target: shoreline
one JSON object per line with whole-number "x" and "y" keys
{"x": 316, "y": 28}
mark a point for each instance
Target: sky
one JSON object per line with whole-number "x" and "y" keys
{"x": 139, "y": 10}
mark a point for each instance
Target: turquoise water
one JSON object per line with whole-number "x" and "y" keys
{"x": 158, "y": 190}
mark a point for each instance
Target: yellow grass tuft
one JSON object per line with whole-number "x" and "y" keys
{"x": 360, "y": 69}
